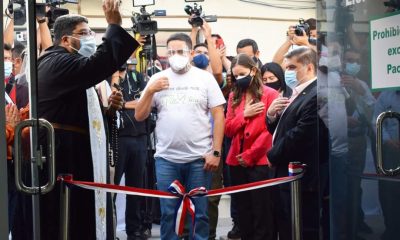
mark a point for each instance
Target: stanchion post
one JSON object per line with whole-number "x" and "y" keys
{"x": 296, "y": 168}
{"x": 64, "y": 206}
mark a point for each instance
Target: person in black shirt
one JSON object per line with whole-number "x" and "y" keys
{"x": 132, "y": 152}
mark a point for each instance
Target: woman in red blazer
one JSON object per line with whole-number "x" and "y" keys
{"x": 245, "y": 124}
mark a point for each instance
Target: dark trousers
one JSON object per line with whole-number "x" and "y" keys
{"x": 227, "y": 176}
{"x": 22, "y": 227}
{"x": 310, "y": 209}
{"x": 213, "y": 202}
{"x": 12, "y": 195}
{"x": 131, "y": 161}
{"x": 255, "y": 207}
{"x": 73, "y": 156}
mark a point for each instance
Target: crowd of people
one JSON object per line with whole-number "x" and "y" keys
{"x": 208, "y": 120}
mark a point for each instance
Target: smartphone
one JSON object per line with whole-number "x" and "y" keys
{"x": 219, "y": 43}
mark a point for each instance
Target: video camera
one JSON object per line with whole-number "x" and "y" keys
{"x": 197, "y": 14}
{"x": 302, "y": 26}
{"x": 56, "y": 11}
{"x": 19, "y": 10}
{"x": 143, "y": 25}
{"x": 142, "y": 22}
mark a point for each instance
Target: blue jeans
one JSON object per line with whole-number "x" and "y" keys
{"x": 190, "y": 175}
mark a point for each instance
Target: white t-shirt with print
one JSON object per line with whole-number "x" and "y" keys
{"x": 183, "y": 127}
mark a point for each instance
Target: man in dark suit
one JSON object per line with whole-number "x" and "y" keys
{"x": 298, "y": 135}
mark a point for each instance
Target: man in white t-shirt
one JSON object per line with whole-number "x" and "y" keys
{"x": 186, "y": 150}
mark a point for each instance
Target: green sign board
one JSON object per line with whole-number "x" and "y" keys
{"x": 385, "y": 52}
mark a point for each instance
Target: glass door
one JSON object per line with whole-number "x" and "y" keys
{"x": 359, "y": 64}
{"x": 27, "y": 158}
{"x": 3, "y": 149}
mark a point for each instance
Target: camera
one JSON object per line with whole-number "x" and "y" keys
{"x": 197, "y": 15}
{"x": 302, "y": 26}
{"x": 18, "y": 8}
{"x": 143, "y": 24}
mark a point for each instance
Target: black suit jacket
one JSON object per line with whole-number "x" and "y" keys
{"x": 300, "y": 136}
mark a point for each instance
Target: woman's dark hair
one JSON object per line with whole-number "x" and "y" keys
{"x": 277, "y": 70}
{"x": 256, "y": 86}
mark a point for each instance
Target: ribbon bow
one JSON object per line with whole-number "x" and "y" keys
{"x": 185, "y": 205}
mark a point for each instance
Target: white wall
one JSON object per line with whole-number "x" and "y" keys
{"x": 237, "y": 19}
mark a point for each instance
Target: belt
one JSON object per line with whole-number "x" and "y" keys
{"x": 70, "y": 128}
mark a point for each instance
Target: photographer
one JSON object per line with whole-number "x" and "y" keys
{"x": 294, "y": 40}
{"x": 208, "y": 50}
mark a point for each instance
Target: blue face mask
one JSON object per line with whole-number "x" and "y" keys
{"x": 88, "y": 46}
{"x": 291, "y": 78}
{"x": 201, "y": 61}
{"x": 352, "y": 68}
{"x": 8, "y": 66}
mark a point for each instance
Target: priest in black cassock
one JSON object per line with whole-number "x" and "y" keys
{"x": 65, "y": 72}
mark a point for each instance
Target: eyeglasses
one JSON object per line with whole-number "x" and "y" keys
{"x": 85, "y": 33}
{"x": 172, "y": 52}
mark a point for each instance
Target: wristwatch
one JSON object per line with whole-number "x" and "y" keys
{"x": 43, "y": 20}
{"x": 217, "y": 153}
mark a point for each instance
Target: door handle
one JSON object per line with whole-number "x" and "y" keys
{"x": 379, "y": 150}
{"x": 37, "y": 155}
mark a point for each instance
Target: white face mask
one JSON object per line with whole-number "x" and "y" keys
{"x": 88, "y": 46}
{"x": 178, "y": 62}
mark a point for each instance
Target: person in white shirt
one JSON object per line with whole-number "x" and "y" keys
{"x": 186, "y": 149}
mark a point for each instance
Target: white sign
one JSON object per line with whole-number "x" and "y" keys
{"x": 385, "y": 52}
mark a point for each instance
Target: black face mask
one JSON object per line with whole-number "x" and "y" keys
{"x": 275, "y": 85}
{"x": 244, "y": 82}
{"x": 255, "y": 59}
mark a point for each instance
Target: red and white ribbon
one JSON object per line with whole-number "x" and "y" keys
{"x": 186, "y": 205}
{"x": 177, "y": 190}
